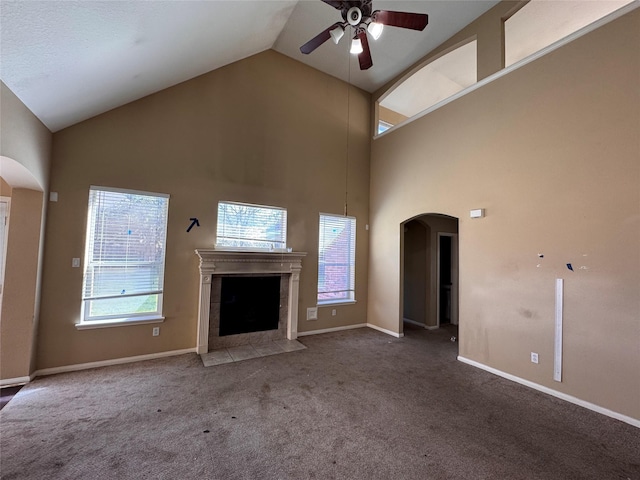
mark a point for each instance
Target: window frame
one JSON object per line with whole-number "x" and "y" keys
{"x": 128, "y": 318}
{"x": 351, "y": 287}
{"x": 283, "y": 233}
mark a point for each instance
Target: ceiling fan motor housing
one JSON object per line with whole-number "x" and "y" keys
{"x": 354, "y": 15}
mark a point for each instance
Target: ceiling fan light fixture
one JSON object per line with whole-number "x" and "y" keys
{"x": 356, "y": 46}
{"x": 375, "y": 29}
{"x": 336, "y": 34}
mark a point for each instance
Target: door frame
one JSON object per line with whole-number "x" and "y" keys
{"x": 3, "y": 253}
{"x": 454, "y": 277}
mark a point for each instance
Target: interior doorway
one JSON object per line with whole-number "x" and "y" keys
{"x": 429, "y": 273}
{"x": 447, "y": 274}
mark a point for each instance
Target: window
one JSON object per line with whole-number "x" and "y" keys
{"x": 383, "y": 126}
{"x": 336, "y": 259}
{"x": 124, "y": 255}
{"x": 260, "y": 227}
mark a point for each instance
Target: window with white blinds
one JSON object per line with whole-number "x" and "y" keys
{"x": 124, "y": 254}
{"x": 241, "y": 225}
{"x": 336, "y": 259}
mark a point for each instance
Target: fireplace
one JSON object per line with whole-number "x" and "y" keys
{"x": 249, "y": 304}
{"x": 247, "y": 297}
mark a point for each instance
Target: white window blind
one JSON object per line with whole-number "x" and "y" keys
{"x": 242, "y": 225}
{"x": 124, "y": 254}
{"x": 336, "y": 259}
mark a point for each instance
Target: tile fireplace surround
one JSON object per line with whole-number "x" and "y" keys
{"x": 224, "y": 263}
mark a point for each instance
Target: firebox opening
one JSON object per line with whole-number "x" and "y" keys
{"x": 249, "y": 304}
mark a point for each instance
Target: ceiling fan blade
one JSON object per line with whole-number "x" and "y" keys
{"x": 414, "y": 21}
{"x": 347, "y": 4}
{"x": 365, "y": 57}
{"x": 319, "y": 39}
{"x": 334, "y": 3}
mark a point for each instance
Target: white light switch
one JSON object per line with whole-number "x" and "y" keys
{"x": 75, "y": 262}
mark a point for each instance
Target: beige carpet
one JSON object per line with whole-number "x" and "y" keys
{"x": 352, "y": 405}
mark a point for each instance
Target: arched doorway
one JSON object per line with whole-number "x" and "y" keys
{"x": 429, "y": 272}
{"x": 24, "y": 207}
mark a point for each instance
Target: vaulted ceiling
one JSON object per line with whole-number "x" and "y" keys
{"x": 70, "y": 60}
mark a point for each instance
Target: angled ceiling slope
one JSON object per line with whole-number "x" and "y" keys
{"x": 68, "y": 61}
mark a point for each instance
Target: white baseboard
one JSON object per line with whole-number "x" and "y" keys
{"x": 106, "y": 363}
{"x": 418, "y": 324}
{"x": 350, "y": 327}
{"x": 555, "y": 393}
{"x": 14, "y": 382}
{"x": 384, "y": 330}
{"x": 413, "y": 322}
{"x": 334, "y": 329}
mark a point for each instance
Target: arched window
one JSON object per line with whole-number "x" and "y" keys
{"x": 437, "y": 80}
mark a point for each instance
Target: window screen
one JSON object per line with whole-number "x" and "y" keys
{"x": 336, "y": 259}
{"x": 242, "y": 225}
{"x": 124, "y": 255}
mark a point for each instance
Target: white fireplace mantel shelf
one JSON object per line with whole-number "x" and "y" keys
{"x": 229, "y": 262}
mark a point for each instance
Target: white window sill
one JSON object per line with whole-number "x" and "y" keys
{"x": 119, "y": 322}
{"x": 333, "y": 303}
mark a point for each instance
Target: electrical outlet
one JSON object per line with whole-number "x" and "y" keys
{"x": 312, "y": 313}
{"x": 75, "y": 262}
{"x": 333, "y": 312}
{"x": 534, "y": 357}
{"x": 156, "y": 331}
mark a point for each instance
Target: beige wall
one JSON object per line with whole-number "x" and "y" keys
{"x": 23, "y": 137}
{"x": 5, "y": 188}
{"x": 265, "y": 130}
{"x": 24, "y": 141}
{"x": 551, "y": 151}
{"x": 18, "y": 321}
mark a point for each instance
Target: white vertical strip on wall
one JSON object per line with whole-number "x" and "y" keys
{"x": 557, "y": 360}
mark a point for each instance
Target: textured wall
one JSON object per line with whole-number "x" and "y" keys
{"x": 25, "y": 151}
{"x": 551, "y": 151}
{"x": 19, "y": 298}
{"x": 265, "y": 130}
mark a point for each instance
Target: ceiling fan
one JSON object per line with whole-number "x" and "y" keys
{"x": 359, "y": 15}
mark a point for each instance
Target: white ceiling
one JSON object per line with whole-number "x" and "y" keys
{"x": 71, "y": 60}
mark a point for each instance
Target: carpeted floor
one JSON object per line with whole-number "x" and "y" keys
{"x": 353, "y": 405}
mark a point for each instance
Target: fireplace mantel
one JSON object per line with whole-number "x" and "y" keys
{"x": 232, "y": 262}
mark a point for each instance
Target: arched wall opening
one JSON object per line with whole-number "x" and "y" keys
{"x": 21, "y": 256}
{"x": 429, "y": 271}
{"x": 440, "y": 77}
